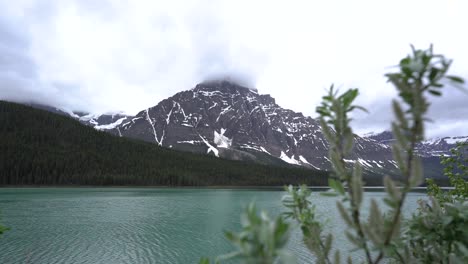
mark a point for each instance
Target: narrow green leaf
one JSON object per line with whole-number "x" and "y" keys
{"x": 328, "y": 244}
{"x": 397, "y": 133}
{"x": 360, "y": 108}
{"x": 337, "y": 257}
{"x": 337, "y": 186}
{"x": 417, "y": 173}
{"x": 357, "y": 189}
{"x": 433, "y": 74}
{"x": 405, "y": 61}
{"x": 344, "y": 214}
{"x": 391, "y": 189}
{"x": 455, "y": 79}
{"x": 435, "y": 92}
{"x": 397, "y": 155}
{"x": 353, "y": 239}
{"x": 399, "y": 114}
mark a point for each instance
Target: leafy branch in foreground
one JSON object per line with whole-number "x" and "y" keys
{"x": 300, "y": 209}
{"x": 438, "y": 233}
{"x": 420, "y": 73}
{"x": 261, "y": 241}
{"x": 334, "y": 112}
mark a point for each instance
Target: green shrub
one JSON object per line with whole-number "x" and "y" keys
{"x": 261, "y": 241}
{"x": 456, "y": 170}
{"x": 437, "y": 233}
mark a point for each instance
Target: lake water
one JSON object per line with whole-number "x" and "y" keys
{"x": 131, "y": 225}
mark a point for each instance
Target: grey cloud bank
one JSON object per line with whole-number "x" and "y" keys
{"x": 103, "y": 56}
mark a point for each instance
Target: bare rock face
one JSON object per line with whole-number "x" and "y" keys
{"x": 227, "y": 120}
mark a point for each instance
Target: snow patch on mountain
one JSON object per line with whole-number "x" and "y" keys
{"x": 289, "y": 160}
{"x": 210, "y": 147}
{"x": 112, "y": 125}
{"x": 455, "y": 140}
{"x": 193, "y": 142}
{"x": 71, "y": 113}
{"x": 304, "y": 160}
{"x": 364, "y": 162}
{"x": 151, "y": 122}
{"x": 264, "y": 150}
{"x": 255, "y": 147}
{"x": 221, "y": 140}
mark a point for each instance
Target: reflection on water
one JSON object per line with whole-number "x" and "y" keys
{"x": 124, "y": 225}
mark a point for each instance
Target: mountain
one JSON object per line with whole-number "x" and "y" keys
{"x": 228, "y": 120}
{"x": 429, "y": 150}
{"x": 44, "y": 148}
{"x": 384, "y": 137}
{"x": 231, "y": 121}
{"x": 107, "y": 121}
{"x": 101, "y": 121}
{"x": 440, "y": 145}
{"x": 433, "y": 147}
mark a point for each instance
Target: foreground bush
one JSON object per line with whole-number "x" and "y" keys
{"x": 437, "y": 233}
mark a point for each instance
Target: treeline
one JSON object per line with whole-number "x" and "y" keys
{"x": 42, "y": 148}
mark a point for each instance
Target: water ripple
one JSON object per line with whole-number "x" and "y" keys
{"x": 134, "y": 225}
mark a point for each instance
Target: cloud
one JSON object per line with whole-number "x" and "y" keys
{"x": 128, "y": 55}
{"x": 17, "y": 70}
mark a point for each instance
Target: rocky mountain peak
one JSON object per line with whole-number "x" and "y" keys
{"x": 223, "y": 85}
{"x": 225, "y": 119}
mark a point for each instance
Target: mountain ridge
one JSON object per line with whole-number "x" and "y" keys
{"x": 432, "y": 147}
{"x": 221, "y": 117}
{"x": 232, "y": 121}
{"x": 42, "y": 148}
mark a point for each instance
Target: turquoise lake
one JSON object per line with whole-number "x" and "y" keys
{"x": 141, "y": 225}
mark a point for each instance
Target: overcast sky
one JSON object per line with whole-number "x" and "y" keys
{"x": 104, "y": 55}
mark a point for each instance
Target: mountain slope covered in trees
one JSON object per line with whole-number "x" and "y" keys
{"x": 39, "y": 147}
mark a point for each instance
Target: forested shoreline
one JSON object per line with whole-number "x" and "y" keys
{"x": 43, "y": 148}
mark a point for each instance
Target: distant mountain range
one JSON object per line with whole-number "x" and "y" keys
{"x": 433, "y": 147}
{"x": 227, "y": 120}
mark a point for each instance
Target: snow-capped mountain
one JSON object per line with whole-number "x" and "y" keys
{"x": 228, "y": 120}
{"x": 102, "y": 121}
{"x": 428, "y": 148}
{"x": 385, "y": 137}
{"x": 107, "y": 121}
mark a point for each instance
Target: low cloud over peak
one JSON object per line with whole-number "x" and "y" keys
{"x": 100, "y": 56}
